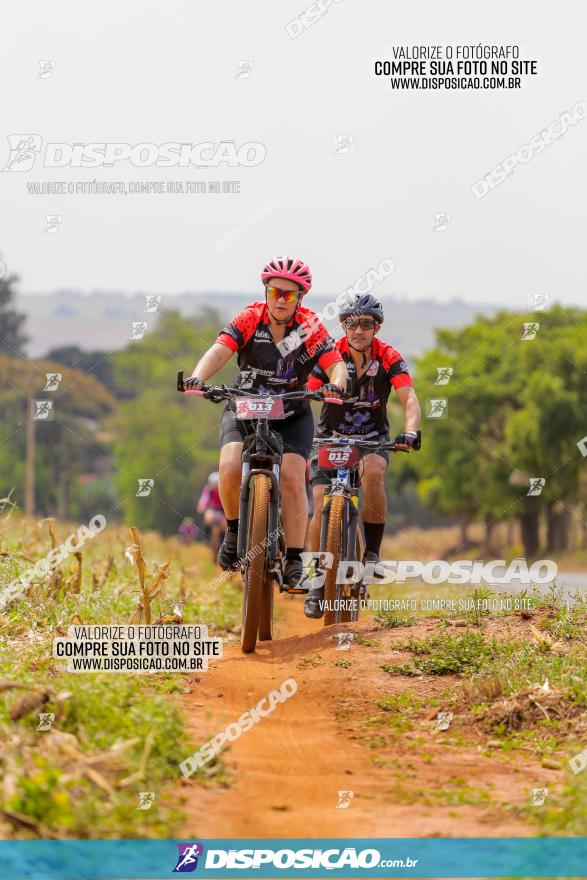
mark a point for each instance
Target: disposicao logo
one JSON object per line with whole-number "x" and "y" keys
{"x": 24, "y": 149}
{"x": 187, "y": 860}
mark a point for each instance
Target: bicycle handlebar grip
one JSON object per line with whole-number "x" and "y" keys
{"x": 194, "y": 391}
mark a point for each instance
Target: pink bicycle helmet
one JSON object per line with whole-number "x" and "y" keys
{"x": 290, "y": 268}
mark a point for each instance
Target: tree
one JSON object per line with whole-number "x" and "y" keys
{"x": 12, "y": 337}
{"x": 162, "y": 435}
{"x": 515, "y": 412}
{"x": 66, "y": 446}
{"x": 97, "y": 363}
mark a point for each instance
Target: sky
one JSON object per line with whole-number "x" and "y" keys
{"x": 148, "y": 71}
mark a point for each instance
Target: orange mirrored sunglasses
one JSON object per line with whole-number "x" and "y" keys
{"x": 288, "y": 296}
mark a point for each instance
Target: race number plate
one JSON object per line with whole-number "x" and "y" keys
{"x": 332, "y": 457}
{"x": 259, "y": 408}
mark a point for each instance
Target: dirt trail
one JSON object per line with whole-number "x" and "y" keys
{"x": 286, "y": 772}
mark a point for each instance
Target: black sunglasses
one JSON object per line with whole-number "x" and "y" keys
{"x": 363, "y": 323}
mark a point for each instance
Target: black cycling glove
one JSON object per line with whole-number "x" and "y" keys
{"x": 331, "y": 388}
{"x": 409, "y": 438}
{"x": 194, "y": 383}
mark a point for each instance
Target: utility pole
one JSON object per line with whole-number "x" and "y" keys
{"x": 29, "y": 491}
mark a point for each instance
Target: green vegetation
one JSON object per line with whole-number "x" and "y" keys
{"x": 515, "y": 410}
{"x": 563, "y": 813}
{"x": 444, "y": 654}
{"x": 118, "y": 419}
{"x": 114, "y": 735}
{"x": 158, "y": 432}
{"x": 367, "y": 643}
{"x": 12, "y": 336}
{"x": 393, "y": 619}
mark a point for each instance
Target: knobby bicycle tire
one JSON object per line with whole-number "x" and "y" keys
{"x": 334, "y": 545}
{"x": 255, "y": 561}
{"x": 354, "y": 590}
{"x": 266, "y": 610}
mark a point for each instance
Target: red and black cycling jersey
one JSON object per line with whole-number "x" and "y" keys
{"x": 263, "y": 368}
{"x": 365, "y": 411}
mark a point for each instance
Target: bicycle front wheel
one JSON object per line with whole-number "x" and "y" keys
{"x": 335, "y": 544}
{"x": 256, "y": 594}
{"x": 354, "y": 592}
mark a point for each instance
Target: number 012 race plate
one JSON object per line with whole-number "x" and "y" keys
{"x": 332, "y": 457}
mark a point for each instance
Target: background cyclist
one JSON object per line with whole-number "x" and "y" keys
{"x": 254, "y": 334}
{"x": 374, "y": 367}
{"x": 210, "y": 505}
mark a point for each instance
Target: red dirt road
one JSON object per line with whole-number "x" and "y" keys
{"x": 285, "y": 773}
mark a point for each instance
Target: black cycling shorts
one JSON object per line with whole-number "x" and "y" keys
{"x": 321, "y": 477}
{"x": 297, "y": 431}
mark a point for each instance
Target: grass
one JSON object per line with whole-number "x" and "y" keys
{"x": 563, "y": 813}
{"x": 444, "y": 654}
{"x": 367, "y": 643}
{"x": 393, "y": 620}
{"x": 405, "y": 703}
{"x": 455, "y": 792}
{"x": 310, "y": 662}
{"x": 399, "y": 711}
{"x": 114, "y": 734}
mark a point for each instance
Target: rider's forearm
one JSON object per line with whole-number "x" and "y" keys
{"x": 337, "y": 373}
{"x": 212, "y": 361}
{"x": 412, "y": 412}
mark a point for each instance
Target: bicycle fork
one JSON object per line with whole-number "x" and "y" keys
{"x": 350, "y": 527}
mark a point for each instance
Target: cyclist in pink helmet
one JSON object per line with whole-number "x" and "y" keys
{"x": 290, "y": 268}
{"x": 266, "y": 366}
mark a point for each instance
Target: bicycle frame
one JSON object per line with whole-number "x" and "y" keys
{"x": 262, "y": 454}
{"x": 346, "y": 482}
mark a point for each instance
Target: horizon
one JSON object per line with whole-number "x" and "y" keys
{"x": 400, "y": 297}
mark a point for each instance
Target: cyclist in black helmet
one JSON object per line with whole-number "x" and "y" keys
{"x": 374, "y": 367}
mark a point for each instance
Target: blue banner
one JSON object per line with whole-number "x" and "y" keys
{"x": 357, "y": 857}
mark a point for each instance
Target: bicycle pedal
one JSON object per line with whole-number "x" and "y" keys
{"x": 296, "y": 591}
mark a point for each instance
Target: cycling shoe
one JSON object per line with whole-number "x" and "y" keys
{"x": 294, "y": 576}
{"x": 372, "y": 558}
{"x": 227, "y": 558}
{"x": 314, "y": 603}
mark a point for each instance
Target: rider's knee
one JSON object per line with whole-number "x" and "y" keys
{"x": 230, "y": 471}
{"x": 373, "y": 471}
{"x": 293, "y": 483}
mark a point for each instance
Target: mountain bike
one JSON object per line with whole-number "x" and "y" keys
{"x": 341, "y": 536}
{"x": 261, "y": 543}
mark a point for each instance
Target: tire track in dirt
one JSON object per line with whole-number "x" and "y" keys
{"x": 286, "y": 771}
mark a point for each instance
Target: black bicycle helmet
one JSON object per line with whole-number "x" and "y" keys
{"x": 362, "y": 304}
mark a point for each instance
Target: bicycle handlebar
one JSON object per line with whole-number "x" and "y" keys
{"x": 387, "y": 445}
{"x": 223, "y": 392}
